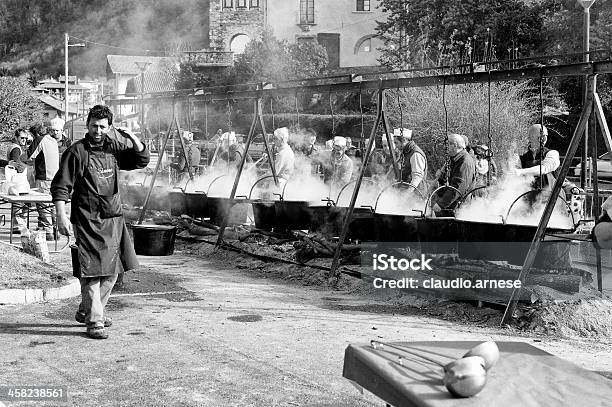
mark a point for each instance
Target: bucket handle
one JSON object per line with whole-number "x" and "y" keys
{"x": 537, "y": 191}
{"x": 435, "y": 191}
{"x": 349, "y": 183}
{"x": 213, "y": 181}
{"x": 261, "y": 179}
{"x": 63, "y": 247}
{"x": 393, "y": 185}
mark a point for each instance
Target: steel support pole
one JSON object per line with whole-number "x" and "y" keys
{"x": 349, "y": 213}
{"x": 540, "y": 232}
{"x": 585, "y": 48}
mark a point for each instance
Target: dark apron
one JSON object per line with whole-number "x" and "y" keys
{"x": 101, "y": 233}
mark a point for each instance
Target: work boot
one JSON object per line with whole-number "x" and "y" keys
{"x": 80, "y": 318}
{"x": 97, "y": 332}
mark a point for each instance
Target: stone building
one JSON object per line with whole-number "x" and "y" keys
{"x": 346, "y": 28}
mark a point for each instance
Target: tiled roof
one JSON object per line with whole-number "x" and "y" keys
{"x": 161, "y": 80}
{"x": 57, "y": 104}
{"x": 58, "y": 85}
{"x": 127, "y": 64}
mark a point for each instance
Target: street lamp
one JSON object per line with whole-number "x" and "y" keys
{"x": 142, "y": 65}
{"x": 66, "y": 45}
{"x": 586, "y": 5}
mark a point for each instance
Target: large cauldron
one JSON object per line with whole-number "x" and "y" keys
{"x": 362, "y": 225}
{"x": 218, "y": 207}
{"x": 438, "y": 235}
{"x": 510, "y": 242}
{"x": 196, "y": 204}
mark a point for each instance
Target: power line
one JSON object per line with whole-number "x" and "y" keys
{"x": 115, "y": 46}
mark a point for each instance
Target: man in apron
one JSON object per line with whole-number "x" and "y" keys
{"x": 89, "y": 172}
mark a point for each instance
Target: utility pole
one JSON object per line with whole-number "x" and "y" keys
{"x": 66, "y": 45}
{"x": 143, "y": 67}
{"x": 586, "y": 5}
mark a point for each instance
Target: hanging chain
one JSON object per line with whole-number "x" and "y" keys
{"x": 331, "y": 108}
{"x": 361, "y": 116}
{"x": 447, "y": 170}
{"x": 297, "y": 109}
{"x": 272, "y": 111}
{"x": 541, "y": 125}
{"x": 489, "y": 138}
{"x": 206, "y": 118}
{"x": 229, "y": 116}
{"x": 399, "y": 106}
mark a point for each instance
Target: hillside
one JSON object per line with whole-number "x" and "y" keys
{"x": 37, "y": 42}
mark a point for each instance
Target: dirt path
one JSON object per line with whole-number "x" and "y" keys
{"x": 188, "y": 332}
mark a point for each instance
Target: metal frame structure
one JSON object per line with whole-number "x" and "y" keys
{"x": 257, "y": 92}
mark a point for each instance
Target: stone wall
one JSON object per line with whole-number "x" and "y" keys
{"x": 225, "y": 23}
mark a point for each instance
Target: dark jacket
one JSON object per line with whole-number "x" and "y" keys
{"x": 529, "y": 160}
{"x": 462, "y": 177}
{"x": 101, "y": 234}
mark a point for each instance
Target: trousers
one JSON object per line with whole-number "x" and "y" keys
{"x": 46, "y": 213}
{"x": 95, "y": 292}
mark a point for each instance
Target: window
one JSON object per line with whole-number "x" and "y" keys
{"x": 241, "y": 3}
{"x": 306, "y": 11}
{"x": 254, "y": 3}
{"x": 228, "y": 3}
{"x": 363, "y": 5}
{"x": 365, "y": 46}
{"x": 239, "y": 43}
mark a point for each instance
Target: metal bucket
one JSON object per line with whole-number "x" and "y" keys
{"x": 395, "y": 228}
{"x": 154, "y": 240}
{"x": 196, "y": 204}
{"x": 292, "y": 215}
{"x": 362, "y": 226}
{"x": 510, "y": 242}
{"x": 264, "y": 213}
{"x": 218, "y": 209}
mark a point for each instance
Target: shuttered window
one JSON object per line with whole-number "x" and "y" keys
{"x": 306, "y": 11}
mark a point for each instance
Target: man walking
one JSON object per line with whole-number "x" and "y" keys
{"x": 89, "y": 171}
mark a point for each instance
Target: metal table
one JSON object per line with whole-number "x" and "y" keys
{"x": 523, "y": 376}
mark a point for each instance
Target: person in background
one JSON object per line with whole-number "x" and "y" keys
{"x": 338, "y": 170}
{"x": 461, "y": 177}
{"x": 189, "y": 159}
{"x": 88, "y": 176}
{"x": 484, "y": 165}
{"x": 413, "y": 163}
{"x": 16, "y": 157}
{"x": 229, "y": 149}
{"x": 541, "y": 164}
{"x": 309, "y": 148}
{"x": 45, "y": 154}
{"x": 284, "y": 158}
{"x": 56, "y": 130}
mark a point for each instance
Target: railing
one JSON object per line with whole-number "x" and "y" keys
{"x": 209, "y": 58}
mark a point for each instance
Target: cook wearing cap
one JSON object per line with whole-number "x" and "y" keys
{"x": 284, "y": 160}
{"x": 413, "y": 163}
{"x": 339, "y": 169}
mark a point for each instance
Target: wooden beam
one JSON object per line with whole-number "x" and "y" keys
{"x": 250, "y": 91}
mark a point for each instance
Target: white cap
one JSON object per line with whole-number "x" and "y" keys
{"x": 282, "y": 134}
{"x": 187, "y": 135}
{"x": 339, "y": 141}
{"x": 403, "y": 132}
{"x": 57, "y": 123}
{"x": 329, "y": 144}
